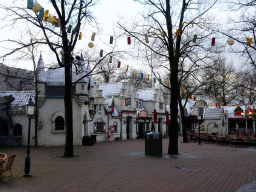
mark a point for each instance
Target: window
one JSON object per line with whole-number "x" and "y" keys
{"x": 200, "y": 111}
{"x": 115, "y": 127}
{"x": 99, "y": 127}
{"x": 127, "y": 101}
{"x": 4, "y": 130}
{"x": 138, "y": 104}
{"x": 17, "y": 130}
{"x": 161, "y": 105}
{"x": 99, "y": 108}
{"x": 59, "y": 123}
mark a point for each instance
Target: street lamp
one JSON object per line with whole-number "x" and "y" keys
{"x": 199, "y": 138}
{"x": 30, "y": 107}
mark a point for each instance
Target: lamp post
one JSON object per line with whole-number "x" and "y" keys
{"x": 199, "y": 138}
{"x": 30, "y": 107}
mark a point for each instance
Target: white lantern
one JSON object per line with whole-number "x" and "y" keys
{"x": 134, "y": 72}
{"x": 230, "y": 41}
{"x": 30, "y": 107}
{"x": 36, "y": 7}
{"x": 90, "y": 45}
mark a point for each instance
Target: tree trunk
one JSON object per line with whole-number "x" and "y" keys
{"x": 36, "y": 111}
{"x": 173, "y": 129}
{"x": 68, "y": 108}
{"x": 182, "y": 118}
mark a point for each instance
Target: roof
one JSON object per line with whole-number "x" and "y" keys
{"x": 21, "y": 97}
{"x": 110, "y": 89}
{"x": 145, "y": 94}
{"x": 213, "y": 113}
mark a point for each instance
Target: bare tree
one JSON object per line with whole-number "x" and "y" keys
{"x": 69, "y": 13}
{"x": 166, "y": 24}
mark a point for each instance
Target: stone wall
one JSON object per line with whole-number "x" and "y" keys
{"x": 15, "y": 79}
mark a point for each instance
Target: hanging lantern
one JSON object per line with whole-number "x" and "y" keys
{"x": 230, "y": 41}
{"x": 182, "y": 89}
{"x": 146, "y": 38}
{"x": 69, "y": 28}
{"x": 46, "y": 15}
{"x": 110, "y": 59}
{"x": 160, "y": 81}
{"x": 194, "y": 39}
{"x": 127, "y": 66}
{"x": 36, "y": 7}
{"x": 129, "y": 40}
{"x": 41, "y": 13}
{"x": 57, "y": 24}
{"x": 177, "y": 33}
{"x": 118, "y": 64}
{"x": 80, "y": 36}
{"x": 134, "y": 72}
{"x": 90, "y": 45}
{"x": 54, "y": 20}
{"x": 101, "y": 53}
{"x": 165, "y": 81}
{"x": 93, "y": 36}
{"x": 148, "y": 78}
{"x": 163, "y": 34}
{"x": 50, "y": 19}
{"x": 111, "y": 40}
{"x": 154, "y": 80}
{"x": 249, "y": 41}
{"x": 75, "y": 30}
{"x": 30, "y": 4}
{"x": 213, "y": 41}
{"x": 141, "y": 76}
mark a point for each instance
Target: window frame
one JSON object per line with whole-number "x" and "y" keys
{"x": 54, "y": 116}
{"x": 128, "y": 102}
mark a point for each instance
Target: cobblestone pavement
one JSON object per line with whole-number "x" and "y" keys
{"x": 123, "y": 166}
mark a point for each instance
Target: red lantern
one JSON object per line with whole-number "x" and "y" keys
{"x": 129, "y": 40}
{"x": 155, "y": 116}
{"x": 119, "y": 64}
{"x": 167, "y": 118}
{"x": 213, "y": 41}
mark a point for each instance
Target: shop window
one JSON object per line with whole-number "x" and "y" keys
{"x": 115, "y": 127}
{"x": 17, "y": 130}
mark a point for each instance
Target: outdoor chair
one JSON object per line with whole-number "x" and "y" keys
{"x": 7, "y": 166}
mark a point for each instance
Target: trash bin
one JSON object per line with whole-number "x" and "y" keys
{"x": 87, "y": 141}
{"x": 153, "y": 144}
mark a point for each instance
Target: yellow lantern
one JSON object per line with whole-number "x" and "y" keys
{"x": 54, "y": 20}
{"x": 182, "y": 89}
{"x": 110, "y": 59}
{"x": 80, "y": 36}
{"x": 127, "y": 66}
{"x": 46, "y": 15}
{"x": 177, "y": 33}
{"x": 36, "y": 7}
{"x": 162, "y": 34}
{"x": 90, "y": 45}
{"x": 165, "y": 81}
{"x": 249, "y": 41}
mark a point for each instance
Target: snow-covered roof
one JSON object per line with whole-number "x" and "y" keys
{"x": 145, "y": 94}
{"x": 56, "y": 75}
{"x": 21, "y": 97}
{"x": 231, "y": 109}
{"x": 213, "y": 113}
{"x": 110, "y": 89}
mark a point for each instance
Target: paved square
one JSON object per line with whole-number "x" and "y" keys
{"x": 123, "y": 166}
